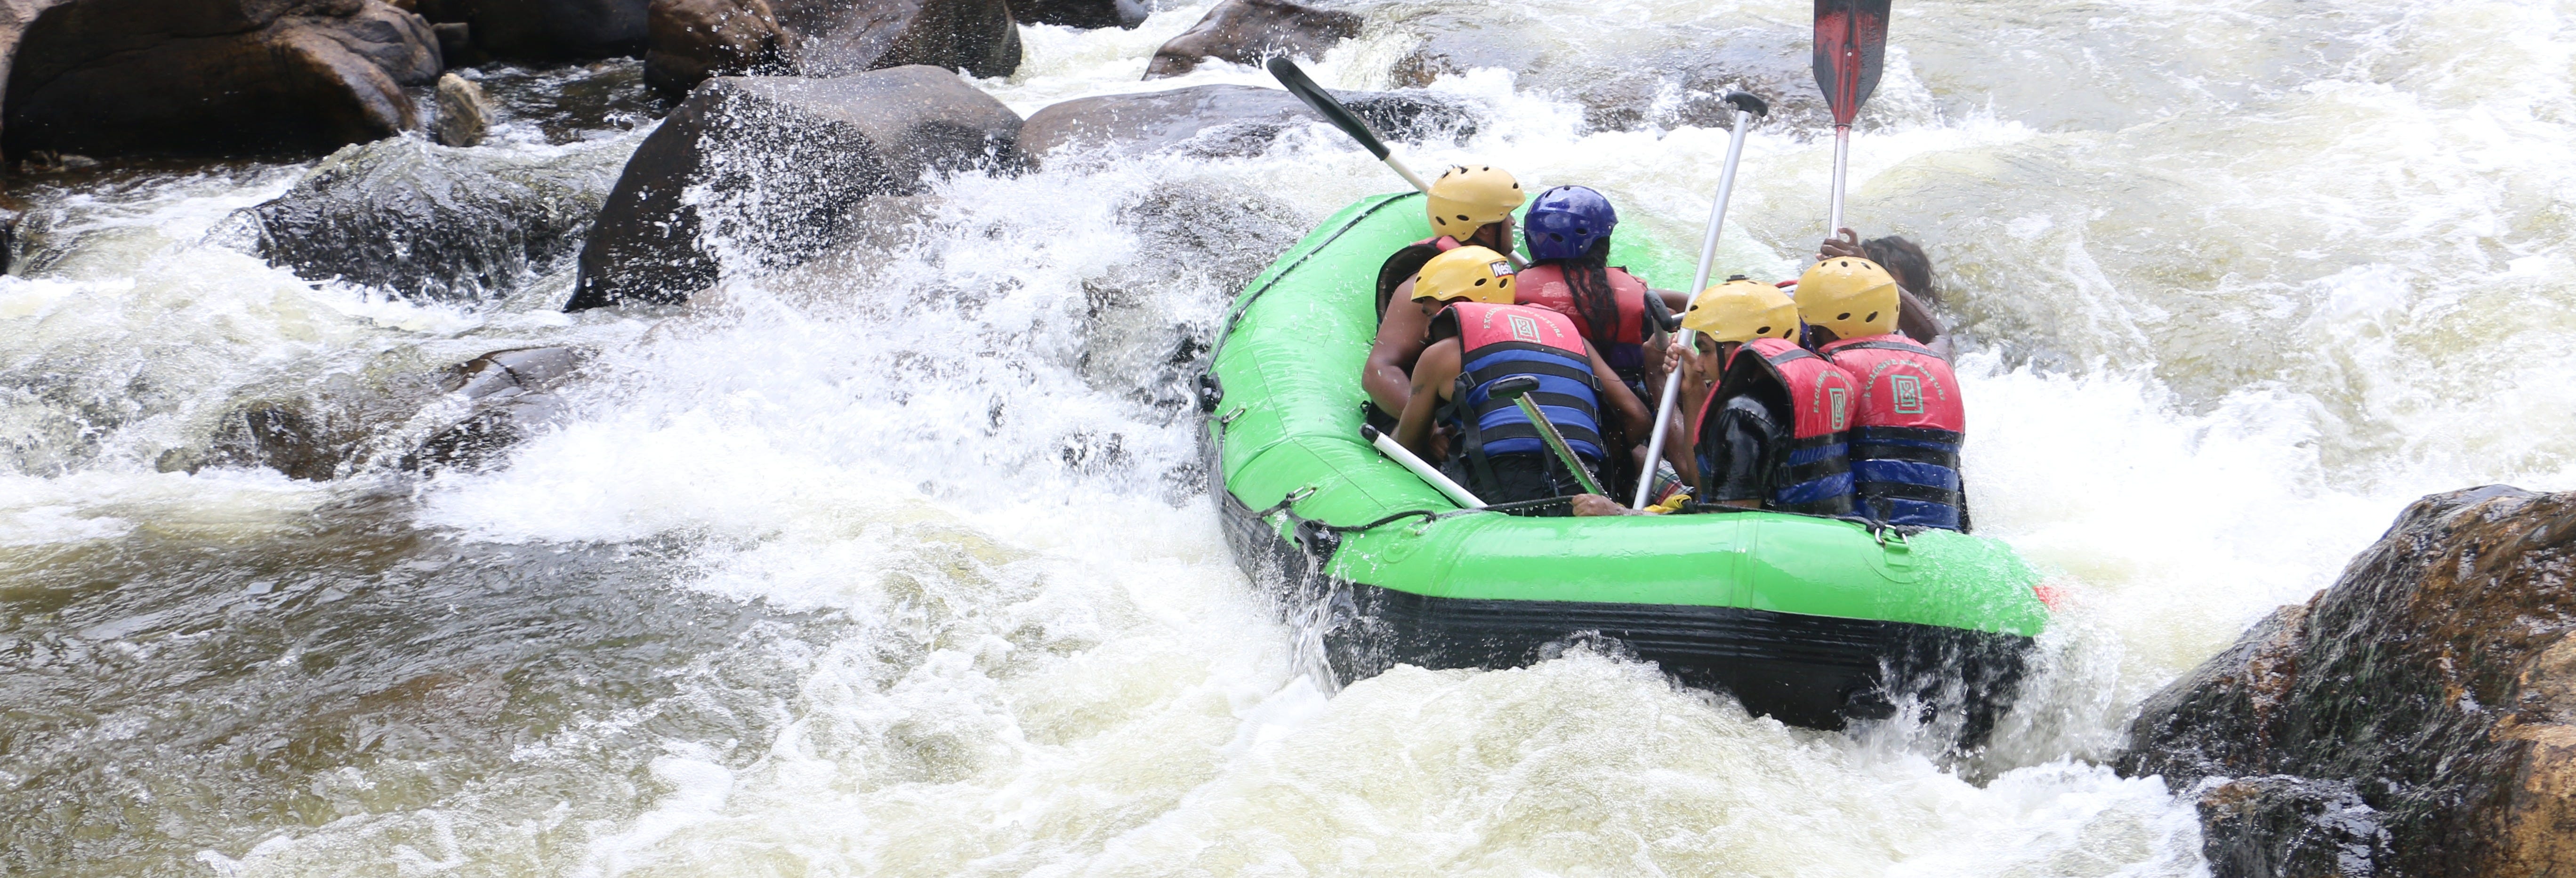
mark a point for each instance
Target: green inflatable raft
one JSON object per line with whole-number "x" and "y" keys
{"x": 1814, "y": 621}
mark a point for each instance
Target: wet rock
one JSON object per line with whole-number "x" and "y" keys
{"x": 15, "y": 15}
{"x": 842, "y": 37}
{"x": 418, "y": 219}
{"x": 456, "y": 44}
{"x": 9, "y": 217}
{"x": 693, "y": 40}
{"x": 215, "y": 76}
{"x": 510, "y": 403}
{"x": 1151, "y": 317}
{"x": 2418, "y": 718}
{"x": 1660, "y": 77}
{"x": 546, "y": 30}
{"x": 1085, "y": 14}
{"x": 463, "y": 115}
{"x": 775, "y": 165}
{"x": 1222, "y": 120}
{"x": 1251, "y": 32}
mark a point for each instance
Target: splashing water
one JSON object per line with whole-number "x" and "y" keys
{"x": 900, "y": 561}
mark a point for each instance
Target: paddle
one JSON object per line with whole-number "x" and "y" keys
{"x": 1851, "y": 40}
{"x": 1517, "y": 389}
{"x": 1331, "y": 109}
{"x": 1746, "y": 107}
{"x": 1386, "y": 444}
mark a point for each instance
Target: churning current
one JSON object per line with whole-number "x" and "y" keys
{"x": 899, "y": 562}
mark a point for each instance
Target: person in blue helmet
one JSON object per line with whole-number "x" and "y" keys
{"x": 1568, "y": 231}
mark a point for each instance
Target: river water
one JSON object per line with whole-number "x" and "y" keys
{"x": 899, "y": 562}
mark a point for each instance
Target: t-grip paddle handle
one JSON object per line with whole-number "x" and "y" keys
{"x": 1517, "y": 389}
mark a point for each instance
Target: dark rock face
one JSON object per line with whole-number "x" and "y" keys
{"x": 1251, "y": 32}
{"x": 510, "y": 404}
{"x": 776, "y": 164}
{"x": 214, "y": 76}
{"x": 694, "y": 40}
{"x": 842, "y": 37}
{"x": 1143, "y": 339}
{"x": 416, "y": 219}
{"x": 546, "y": 30}
{"x": 1215, "y": 120}
{"x": 2418, "y": 718}
{"x": 1085, "y": 14}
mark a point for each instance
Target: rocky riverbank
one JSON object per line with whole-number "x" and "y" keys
{"x": 2416, "y": 719}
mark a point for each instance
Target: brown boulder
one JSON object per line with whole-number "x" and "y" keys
{"x": 1214, "y": 120}
{"x": 771, "y": 168}
{"x": 2418, "y": 718}
{"x": 1084, "y": 14}
{"x": 199, "y": 77}
{"x": 694, "y": 40}
{"x": 842, "y": 37}
{"x": 1251, "y": 32}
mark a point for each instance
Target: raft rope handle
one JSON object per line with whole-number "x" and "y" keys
{"x": 1228, "y": 420}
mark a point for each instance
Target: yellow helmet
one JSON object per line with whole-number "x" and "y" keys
{"x": 1742, "y": 310}
{"x": 1465, "y": 199}
{"x": 1853, "y": 297}
{"x": 1471, "y": 273}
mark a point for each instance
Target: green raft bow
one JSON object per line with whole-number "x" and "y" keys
{"x": 1811, "y": 620}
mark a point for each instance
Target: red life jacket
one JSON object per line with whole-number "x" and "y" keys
{"x": 1500, "y": 341}
{"x": 1907, "y": 431}
{"x": 1622, "y": 345}
{"x": 1815, "y": 476}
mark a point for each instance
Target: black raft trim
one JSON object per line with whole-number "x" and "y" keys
{"x": 1812, "y": 671}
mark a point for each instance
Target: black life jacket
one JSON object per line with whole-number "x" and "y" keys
{"x": 1815, "y": 477}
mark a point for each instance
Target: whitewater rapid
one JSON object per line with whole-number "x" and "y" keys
{"x": 901, "y": 562}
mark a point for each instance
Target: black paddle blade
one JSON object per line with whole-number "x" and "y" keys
{"x": 1332, "y": 110}
{"x": 1851, "y": 41}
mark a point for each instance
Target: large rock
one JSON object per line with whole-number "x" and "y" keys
{"x": 1085, "y": 14}
{"x": 695, "y": 40}
{"x": 15, "y": 16}
{"x": 417, "y": 219}
{"x": 1214, "y": 120}
{"x": 2416, "y": 719}
{"x": 464, "y": 115}
{"x": 842, "y": 37}
{"x": 766, "y": 169}
{"x": 214, "y": 76}
{"x": 546, "y": 30}
{"x": 1251, "y": 32}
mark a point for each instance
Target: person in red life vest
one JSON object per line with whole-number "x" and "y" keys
{"x": 1478, "y": 338}
{"x": 1568, "y": 231}
{"x": 1905, "y": 261}
{"x": 1466, "y": 205}
{"x": 1767, "y": 417}
{"x": 1909, "y": 424}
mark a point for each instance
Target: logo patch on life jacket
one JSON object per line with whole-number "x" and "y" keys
{"x": 1838, "y": 399}
{"x": 1523, "y": 327}
{"x": 1909, "y": 394}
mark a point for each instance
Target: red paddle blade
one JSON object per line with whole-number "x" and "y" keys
{"x": 1851, "y": 39}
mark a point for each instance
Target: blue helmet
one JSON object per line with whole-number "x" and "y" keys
{"x": 1563, "y": 222}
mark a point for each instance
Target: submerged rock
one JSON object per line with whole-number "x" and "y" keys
{"x": 764, "y": 170}
{"x": 1216, "y": 120}
{"x": 510, "y": 403}
{"x": 2418, "y": 718}
{"x": 215, "y": 76}
{"x": 1251, "y": 32}
{"x": 1085, "y": 14}
{"x": 417, "y": 219}
{"x": 842, "y": 37}
{"x": 1150, "y": 317}
{"x": 463, "y": 115}
{"x": 1665, "y": 76}
{"x": 694, "y": 40}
